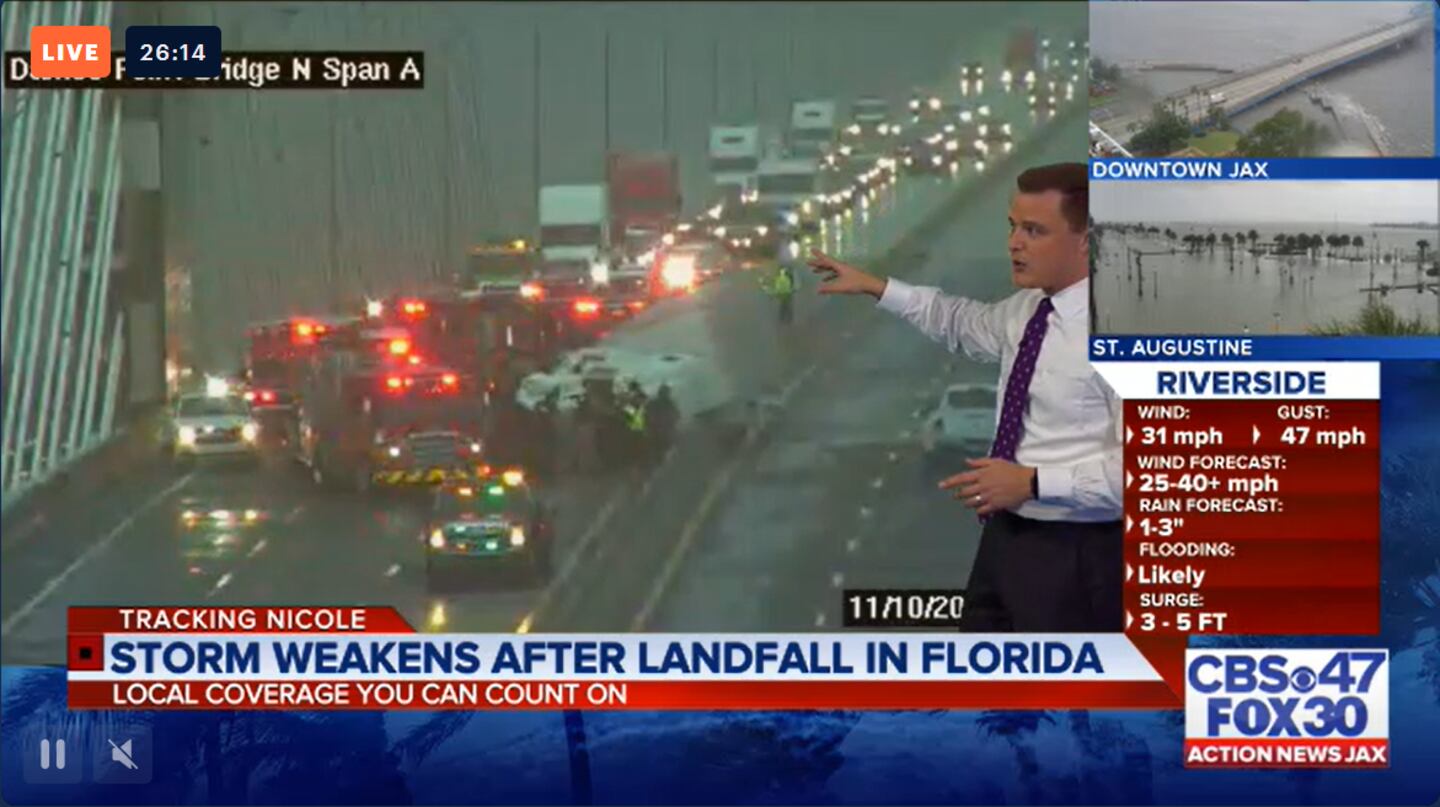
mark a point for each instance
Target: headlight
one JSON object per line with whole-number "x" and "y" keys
{"x": 1006, "y": 77}
{"x": 952, "y": 145}
{"x": 222, "y": 516}
{"x": 854, "y": 129}
{"x": 249, "y": 432}
{"x": 719, "y": 232}
{"x": 984, "y": 129}
{"x": 475, "y": 447}
{"x": 805, "y": 208}
{"x": 966, "y": 116}
{"x": 792, "y": 219}
{"x": 762, "y": 231}
{"x": 393, "y": 451}
{"x": 845, "y": 151}
{"x": 935, "y": 104}
{"x": 668, "y": 240}
{"x": 437, "y": 539}
{"x": 936, "y": 159}
{"x": 187, "y": 435}
{"x": 600, "y": 273}
{"x": 517, "y": 535}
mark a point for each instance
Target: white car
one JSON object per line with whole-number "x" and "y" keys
{"x": 963, "y": 419}
{"x": 695, "y": 384}
{"x": 213, "y": 425}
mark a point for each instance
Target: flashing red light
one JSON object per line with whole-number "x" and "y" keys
{"x": 637, "y": 305}
{"x": 320, "y": 330}
{"x": 449, "y": 379}
{"x": 532, "y": 291}
{"x": 266, "y": 396}
{"x": 304, "y": 330}
{"x": 394, "y": 382}
{"x": 414, "y": 358}
{"x": 586, "y": 307}
{"x": 399, "y": 347}
{"x": 249, "y": 396}
{"x": 413, "y": 307}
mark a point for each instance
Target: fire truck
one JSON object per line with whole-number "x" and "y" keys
{"x": 277, "y": 356}
{"x": 496, "y": 336}
{"x": 365, "y": 420}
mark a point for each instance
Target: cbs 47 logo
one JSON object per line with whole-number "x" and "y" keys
{"x": 1286, "y": 693}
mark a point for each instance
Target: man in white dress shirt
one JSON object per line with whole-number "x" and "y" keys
{"x": 1050, "y": 556}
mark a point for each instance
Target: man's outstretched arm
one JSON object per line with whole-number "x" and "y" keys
{"x": 956, "y": 322}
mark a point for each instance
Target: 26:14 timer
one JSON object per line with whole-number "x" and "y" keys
{"x": 180, "y": 53}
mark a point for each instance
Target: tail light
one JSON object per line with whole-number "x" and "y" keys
{"x": 449, "y": 379}
{"x": 637, "y": 305}
{"x": 395, "y": 383}
{"x": 399, "y": 347}
{"x": 586, "y": 307}
{"x": 267, "y": 396}
{"x": 413, "y": 308}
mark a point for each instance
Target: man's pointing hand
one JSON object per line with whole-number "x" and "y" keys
{"x": 842, "y": 278}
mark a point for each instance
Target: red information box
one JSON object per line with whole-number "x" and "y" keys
{"x": 1252, "y": 517}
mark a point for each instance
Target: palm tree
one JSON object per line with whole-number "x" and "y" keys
{"x": 1252, "y": 237}
{"x": 1421, "y": 245}
{"x": 1210, "y": 241}
{"x": 1358, "y": 242}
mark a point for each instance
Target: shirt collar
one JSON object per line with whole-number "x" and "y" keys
{"x": 1073, "y": 300}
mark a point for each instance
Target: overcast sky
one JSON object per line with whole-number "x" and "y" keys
{"x": 1273, "y": 202}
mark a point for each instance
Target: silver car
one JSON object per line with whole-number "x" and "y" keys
{"x": 962, "y": 420}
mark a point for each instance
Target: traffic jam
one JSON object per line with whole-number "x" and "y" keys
{"x": 454, "y": 394}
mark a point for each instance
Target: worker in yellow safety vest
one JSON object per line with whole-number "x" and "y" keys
{"x": 782, "y": 288}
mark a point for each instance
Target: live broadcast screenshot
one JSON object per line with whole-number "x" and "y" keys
{"x": 717, "y": 403}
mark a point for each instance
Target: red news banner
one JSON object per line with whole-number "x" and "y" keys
{"x": 1252, "y": 517}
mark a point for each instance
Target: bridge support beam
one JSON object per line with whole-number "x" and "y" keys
{"x": 140, "y": 262}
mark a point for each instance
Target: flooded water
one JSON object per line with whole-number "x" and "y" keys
{"x": 1224, "y": 291}
{"x": 1394, "y": 90}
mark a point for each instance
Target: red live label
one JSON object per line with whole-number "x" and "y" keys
{"x": 70, "y": 51}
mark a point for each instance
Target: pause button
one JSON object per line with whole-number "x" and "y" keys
{"x": 45, "y": 754}
{"x": 51, "y": 758}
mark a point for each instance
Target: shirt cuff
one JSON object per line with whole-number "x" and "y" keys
{"x": 1055, "y": 483}
{"x": 897, "y": 296}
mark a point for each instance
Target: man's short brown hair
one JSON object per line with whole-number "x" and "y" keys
{"x": 1072, "y": 180}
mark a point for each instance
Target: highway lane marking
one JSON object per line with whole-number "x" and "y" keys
{"x": 820, "y": 619}
{"x": 294, "y": 514}
{"x": 894, "y": 456}
{"x": 878, "y": 482}
{"x": 256, "y": 549}
{"x": 393, "y": 570}
{"x": 718, "y": 485}
{"x": 837, "y": 579}
{"x": 852, "y": 545}
{"x": 221, "y": 583}
{"x": 54, "y": 583}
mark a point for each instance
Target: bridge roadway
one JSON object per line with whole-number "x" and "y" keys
{"x": 1235, "y": 93}
{"x": 746, "y": 533}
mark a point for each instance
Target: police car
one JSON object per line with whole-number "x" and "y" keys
{"x": 211, "y": 424}
{"x": 492, "y": 521}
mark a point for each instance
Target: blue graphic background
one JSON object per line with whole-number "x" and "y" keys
{"x": 1069, "y": 757}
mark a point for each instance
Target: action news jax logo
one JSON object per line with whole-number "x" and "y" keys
{"x": 1287, "y": 708}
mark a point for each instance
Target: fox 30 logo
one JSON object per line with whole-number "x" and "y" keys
{"x": 1287, "y": 708}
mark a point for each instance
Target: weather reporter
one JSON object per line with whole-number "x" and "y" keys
{"x": 1050, "y": 555}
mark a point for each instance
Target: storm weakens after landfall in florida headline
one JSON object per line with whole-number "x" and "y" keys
{"x": 464, "y": 657}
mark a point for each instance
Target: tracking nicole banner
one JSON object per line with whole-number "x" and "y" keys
{"x": 370, "y": 658}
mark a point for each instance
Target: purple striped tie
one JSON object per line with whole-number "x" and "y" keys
{"x": 1017, "y": 388}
